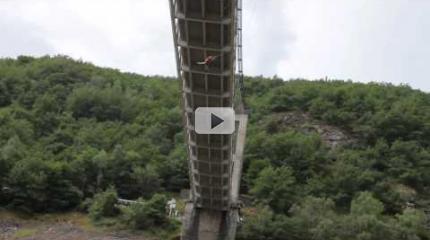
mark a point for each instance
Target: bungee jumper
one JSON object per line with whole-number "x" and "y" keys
{"x": 208, "y": 60}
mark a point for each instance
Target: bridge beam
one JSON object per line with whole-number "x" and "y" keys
{"x": 203, "y": 28}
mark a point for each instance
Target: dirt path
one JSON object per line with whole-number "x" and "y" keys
{"x": 74, "y": 226}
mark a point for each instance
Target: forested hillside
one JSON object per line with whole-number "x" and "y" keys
{"x": 324, "y": 159}
{"x": 337, "y": 160}
{"x": 69, "y": 130}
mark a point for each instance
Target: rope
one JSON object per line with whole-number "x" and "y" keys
{"x": 239, "y": 35}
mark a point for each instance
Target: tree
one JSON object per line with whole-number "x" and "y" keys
{"x": 104, "y": 204}
{"x": 147, "y": 180}
{"x": 38, "y": 186}
{"x": 365, "y": 203}
{"x": 276, "y": 187}
{"x": 69, "y": 129}
{"x": 254, "y": 169}
{"x": 265, "y": 225}
{"x": 174, "y": 170}
{"x": 303, "y": 153}
{"x": 110, "y": 104}
{"x": 412, "y": 224}
{"x": 311, "y": 211}
{"x": 145, "y": 214}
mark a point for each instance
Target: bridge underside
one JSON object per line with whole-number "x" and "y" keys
{"x": 204, "y": 28}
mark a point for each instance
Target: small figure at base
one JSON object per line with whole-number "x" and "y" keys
{"x": 171, "y": 205}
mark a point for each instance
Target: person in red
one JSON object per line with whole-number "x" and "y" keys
{"x": 208, "y": 60}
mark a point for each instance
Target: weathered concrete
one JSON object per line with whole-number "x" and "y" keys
{"x": 232, "y": 218}
{"x": 210, "y": 222}
{"x": 238, "y": 157}
{"x": 190, "y": 222}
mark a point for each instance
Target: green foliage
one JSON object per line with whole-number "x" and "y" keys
{"x": 276, "y": 188}
{"x": 84, "y": 129}
{"x": 110, "y": 104}
{"x": 366, "y": 204}
{"x": 104, "y": 205}
{"x": 316, "y": 218}
{"x": 69, "y": 130}
{"x": 411, "y": 224}
{"x": 265, "y": 225}
{"x": 146, "y": 213}
{"x": 254, "y": 170}
{"x": 373, "y": 178}
{"x": 37, "y": 185}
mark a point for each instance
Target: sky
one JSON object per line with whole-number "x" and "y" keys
{"x": 360, "y": 40}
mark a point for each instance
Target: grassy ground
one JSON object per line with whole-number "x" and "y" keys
{"x": 66, "y": 226}
{"x": 75, "y": 226}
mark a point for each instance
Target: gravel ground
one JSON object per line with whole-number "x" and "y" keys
{"x": 67, "y": 228}
{"x": 8, "y": 229}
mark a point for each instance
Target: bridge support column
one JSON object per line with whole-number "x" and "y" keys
{"x": 203, "y": 224}
{"x": 207, "y": 224}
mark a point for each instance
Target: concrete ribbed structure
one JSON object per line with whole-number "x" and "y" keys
{"x": 205, "y": 28}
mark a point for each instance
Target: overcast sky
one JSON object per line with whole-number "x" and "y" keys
{"x": 362, "y": 40}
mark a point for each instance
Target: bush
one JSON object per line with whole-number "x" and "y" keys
{"x": 146, "y": 214}
{"x": 264, "y": 224}
{"x": 365, "y": 203}
{"x": 37, "y": 185}
{"x": 103, "y": 205}
{"x": 275, "y": 186}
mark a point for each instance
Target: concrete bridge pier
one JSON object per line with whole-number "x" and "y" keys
{"x": 203, "y": 224}
{"x": 207, "y": 224}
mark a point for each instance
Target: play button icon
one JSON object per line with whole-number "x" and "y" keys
{"x": 214, "y": 120}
